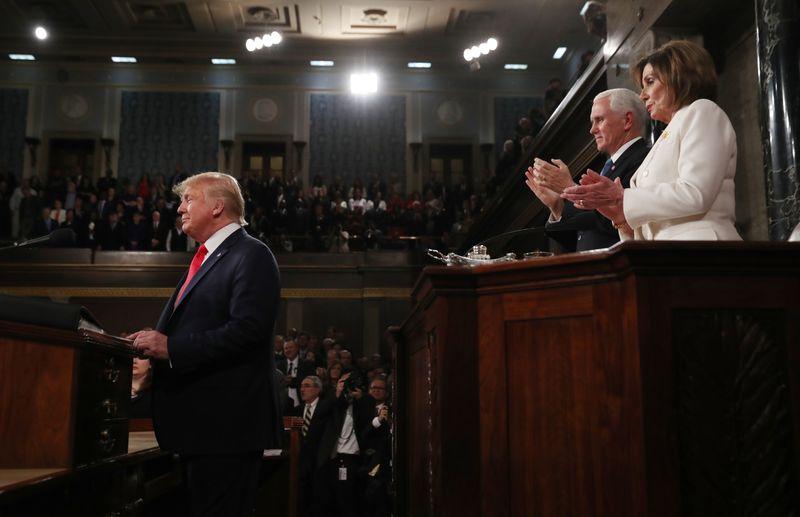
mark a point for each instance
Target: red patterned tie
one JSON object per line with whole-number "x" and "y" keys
{"x": 197, "y": 261}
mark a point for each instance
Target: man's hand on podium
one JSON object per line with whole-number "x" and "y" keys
{"x": 151, "y": 343}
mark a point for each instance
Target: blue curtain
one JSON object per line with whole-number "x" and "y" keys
{"x": 507, "y": 112}
{"x": 355, "y": 136}
{"x": 159, "y": 130}
{"x": 13, "y": 120}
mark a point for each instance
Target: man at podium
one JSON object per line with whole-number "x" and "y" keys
{"x": 213, "y": 399}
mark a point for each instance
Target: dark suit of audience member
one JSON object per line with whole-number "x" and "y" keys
{"x": 581, "y": 230}
{"x": 297, "y": 370}
{"x": 176, "y": 239}
{"x": 315, "y": 412}
{"x": 377, "y": 450}
{"x": 44, "y": 225}
{"x": 111, "y": 234}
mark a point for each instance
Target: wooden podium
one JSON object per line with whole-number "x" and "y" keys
{"x": 64, "y": 400}
{"x": 657, "y": 379}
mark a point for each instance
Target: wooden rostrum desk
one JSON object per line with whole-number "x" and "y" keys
{"x": 657, "y": 379}
{"x": 144, "y": 481}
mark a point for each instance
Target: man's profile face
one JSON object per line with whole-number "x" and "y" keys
{"x": 196, "y": 214}
{"x": 290, "y": 350}
{"x": 608, "y": 128}
{"x": 308, "y": 392}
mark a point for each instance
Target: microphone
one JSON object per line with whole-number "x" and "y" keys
{"x": 514, "y": 233}
{"x": 62, "y": 237}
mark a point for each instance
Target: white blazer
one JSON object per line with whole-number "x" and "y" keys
{"x": 683, "y": 190}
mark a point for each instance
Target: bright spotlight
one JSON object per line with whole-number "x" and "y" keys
{"x": 259, "y": 43}
{"x": 492, "y": 43}
{"x": 250, "y": 45}
{"x": 276, "y": 37}
{"x": 484, "y": 48}
{"x": 267, "y": 40}
{"x": 476, "y": 52}
{"x": 468, "y": 54}
{"x": 40, "y": 33}
{"x": 363, "y": 83}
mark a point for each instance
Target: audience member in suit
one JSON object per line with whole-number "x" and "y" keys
{"x": 44, "y": 225}
{"x": 108, "y": 204}
{"x": 295, "y": 369}
{"x": 157, "y": 232}
{"x": 377, "y": 450}
{"x": 315, "y": 412}
{"x": 176, "y": 238}
{"x": 214, "y": 400}
{"x": 136, "y": 233}
{"x": 684, "y": 189}
{"x": 111, "y": 234}
{"x": 339, "y": 454}
{"x": 618, "y": 123}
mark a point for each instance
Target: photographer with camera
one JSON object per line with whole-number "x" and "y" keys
{"x": 340, "y": 449}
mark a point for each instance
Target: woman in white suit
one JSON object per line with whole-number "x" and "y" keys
{"x": 684, "y": 189}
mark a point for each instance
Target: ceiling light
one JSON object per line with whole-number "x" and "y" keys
{"x": 276, "y": 37}
{"x": 484, "y": 48}
{"x": 267, "y": 40}
{"x": 40, "y": 33}
{"x": 320, "y": 63}
{"x": 222, "y": 61}
{"x": 515, "y": 66}
{"x": 250, "y": 45}
{"x": 22, "y": 57}
{"x": 467, "y": 54}
{"x": 559, "y": 53}
{"x": 415, "y": 64}
{"x": 363, "y": 83}
{"x": 259, "y": 43}
{"x": 492, "y": 43}
{"x": 123, "y": 59}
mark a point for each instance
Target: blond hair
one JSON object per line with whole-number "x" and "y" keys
{"x": 217, "y": 185}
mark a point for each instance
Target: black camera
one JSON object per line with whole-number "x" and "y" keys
{"x": 354, "y": 382}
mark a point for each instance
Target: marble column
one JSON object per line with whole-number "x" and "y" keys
{"x": 778, "y": 37}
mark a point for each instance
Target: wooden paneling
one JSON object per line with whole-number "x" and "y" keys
{"x": 36, "y": 389}
{"x": 550, "y": 392}
{"x": 596, "y": 395}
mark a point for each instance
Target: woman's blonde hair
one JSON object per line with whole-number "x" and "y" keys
{"x": 217, "y": 185}
{"x": 685, "y": 68}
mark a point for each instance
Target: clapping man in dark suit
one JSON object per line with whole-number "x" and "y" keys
{"x": 295, "y": 369}
{"x": 214, "y": 402}
{"x": 618, "y": 120}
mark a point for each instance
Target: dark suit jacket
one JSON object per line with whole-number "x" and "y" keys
{"x": 333, "y": 428}
{"x": 218, "y": 394}
{"x": 309, "y": 446}
{"x": 304, "y": 369}
{"x": 581, "y": 230}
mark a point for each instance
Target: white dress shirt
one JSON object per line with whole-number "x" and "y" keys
{"x": 218, "y": 238}
{"x": 347, "y": 443}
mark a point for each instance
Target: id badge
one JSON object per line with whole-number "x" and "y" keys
{"x": 342, "y": 473}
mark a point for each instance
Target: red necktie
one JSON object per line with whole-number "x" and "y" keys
{"x": 197, "y": 261}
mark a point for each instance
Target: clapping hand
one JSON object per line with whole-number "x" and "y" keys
{"x": 595, "y": 191}
{"x": 554, "y": 176}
